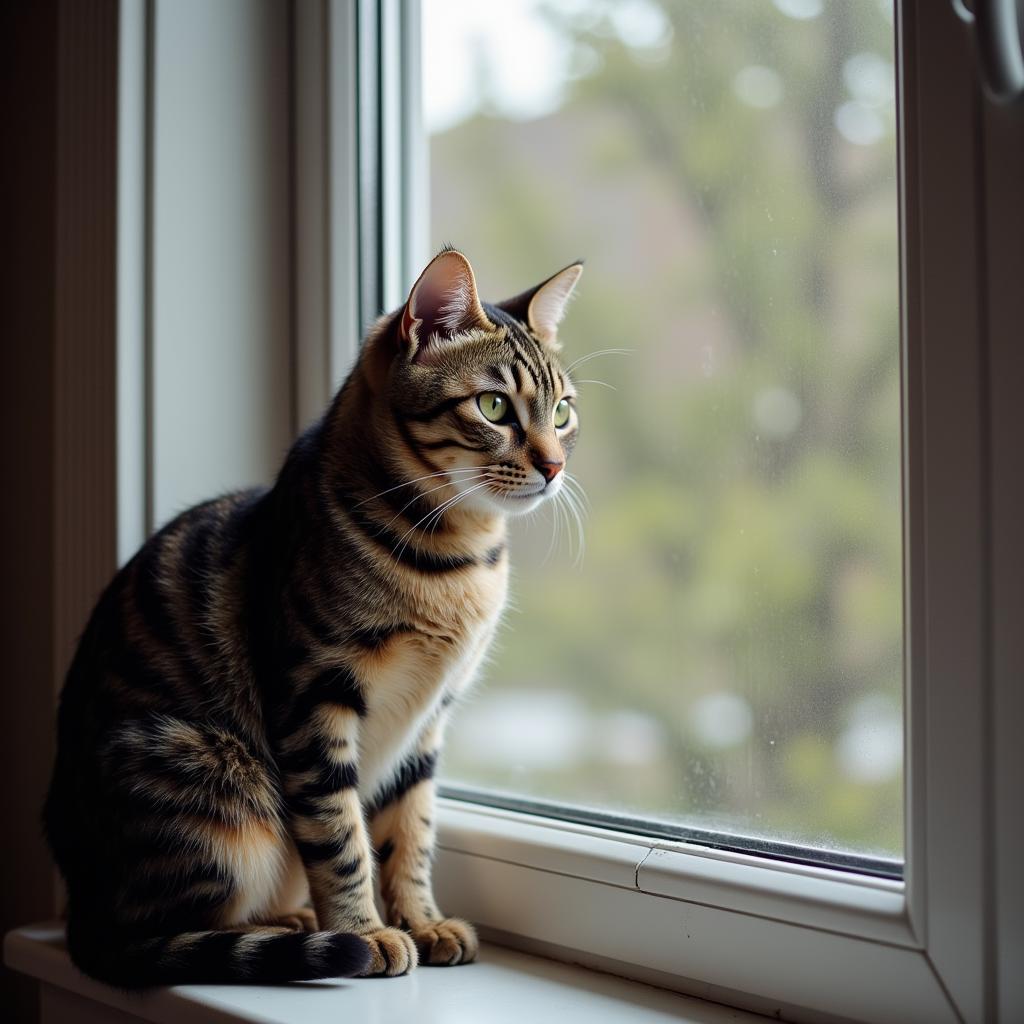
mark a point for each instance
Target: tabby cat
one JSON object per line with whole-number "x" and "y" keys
{"x": 249, "y": 729}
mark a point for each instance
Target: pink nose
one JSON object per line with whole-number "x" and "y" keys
{"x": 550, "y": 468}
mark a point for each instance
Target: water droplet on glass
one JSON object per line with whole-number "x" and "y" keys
{"x": 707, "y": 362}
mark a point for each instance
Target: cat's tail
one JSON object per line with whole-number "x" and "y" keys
{"x": 218, "y": 957}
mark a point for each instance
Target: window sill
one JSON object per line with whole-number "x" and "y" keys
{"x": 831, "y": 900}
{"x": 504, "y": 986}
{"x": 805, "y": 943}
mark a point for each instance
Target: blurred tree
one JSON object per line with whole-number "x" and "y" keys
{"x": 745, "y": 533}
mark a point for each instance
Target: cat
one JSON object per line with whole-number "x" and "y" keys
{"x": 253, "y": 716}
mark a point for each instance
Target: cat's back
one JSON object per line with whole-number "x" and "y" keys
{"x": 154, "y": 623}
{"x": 166, "y": 627}
{"x": 147, "y": 671}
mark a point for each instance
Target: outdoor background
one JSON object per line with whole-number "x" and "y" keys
{"x": 728, "y": 652}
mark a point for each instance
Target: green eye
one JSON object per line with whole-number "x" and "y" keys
{"x": 562, "y": 413}
{"x": 493, "y": 406}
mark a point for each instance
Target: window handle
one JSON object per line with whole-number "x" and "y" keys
{"x": 997, "y": 26}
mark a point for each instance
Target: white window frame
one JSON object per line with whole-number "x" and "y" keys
{"x": 808, "y": 943}
{"x": 358, "y": 139}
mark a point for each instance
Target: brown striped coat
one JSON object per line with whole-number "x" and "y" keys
{"x": 250, "y": 727}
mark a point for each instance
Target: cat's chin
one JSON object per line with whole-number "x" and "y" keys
{"x": 521, "y": 506}
{"x": 511, "y": 505}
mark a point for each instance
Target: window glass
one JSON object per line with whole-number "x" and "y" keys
{"x": 727, "y": 650}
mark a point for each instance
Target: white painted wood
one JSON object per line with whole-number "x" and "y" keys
{"x": 811, "y": 942}
{"x": 962, "y": 322}
{"x": 1004, "y": 173}
{"x": 326, "y": 207}
{"x": 343, "y": 141}
{"x": 501, "y": 835}
{"x": 311, "y": 197}
{"x": 947, "y": 604}
{"x": 415, "y": 149}
{"x": 504, "y": 987}
{"x": 914, "y": 581}
{"x": 829, "y": 900}
{"x": 805, "y": 974}
{"x": 860, "y": 906}
{"x": 392, "y": 174}
{"x": 221, "y": 409}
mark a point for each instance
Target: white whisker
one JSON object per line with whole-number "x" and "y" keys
{"x": 403, "y": 543}
{"x": 556, "y": 518}
{"x": 577, "y": 489}
{"x": 574, "y": 504}
{"x": 439, "y": 512}
{"x": 600, "y": 352}
{"x": 422, "y": 494}
{"x": 416, "y": 480}
{"x": 563, "y": 512}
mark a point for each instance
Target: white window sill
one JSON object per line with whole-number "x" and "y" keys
{"x": 504, "y": 986}
{"x": 802, "y": 943}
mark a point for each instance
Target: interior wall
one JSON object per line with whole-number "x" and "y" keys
{"x": 28, "y": 94}
{"x": 220, "y": 248}
{"x": 192, "y": 282}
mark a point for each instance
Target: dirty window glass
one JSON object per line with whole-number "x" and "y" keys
{"x": 726, "y": 650}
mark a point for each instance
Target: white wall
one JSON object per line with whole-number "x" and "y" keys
{"x": 221, "y": 291}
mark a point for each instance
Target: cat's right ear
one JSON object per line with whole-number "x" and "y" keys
{"x": 442, "y": 304}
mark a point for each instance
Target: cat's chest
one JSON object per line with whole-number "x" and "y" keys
{"x": 455, "y": 605}
{"x": 407, "y": 678}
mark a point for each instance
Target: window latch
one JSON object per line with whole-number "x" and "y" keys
{"x": 997, "y": 26}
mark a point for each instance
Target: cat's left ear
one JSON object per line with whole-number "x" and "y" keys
{"x": 542, "y": 308}
{"x": 442, "y": 303}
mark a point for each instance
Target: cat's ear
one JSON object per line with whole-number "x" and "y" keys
{"x": 442, "y": 303}
{"x": 543, "y": 307}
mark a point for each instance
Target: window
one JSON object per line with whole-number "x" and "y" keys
{"x": 767, "y": 930}
{"x": 338, "y": 142}
{"x": 727, "y": 657}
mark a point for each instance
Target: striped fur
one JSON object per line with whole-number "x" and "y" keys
{"x": 249, "y": 730}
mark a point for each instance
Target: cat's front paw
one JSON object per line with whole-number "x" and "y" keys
{"x": 446, "y": 943}
{"x": 392, "y": 952}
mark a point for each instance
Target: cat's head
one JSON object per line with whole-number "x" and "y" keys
{"x": 477, "y": 391}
